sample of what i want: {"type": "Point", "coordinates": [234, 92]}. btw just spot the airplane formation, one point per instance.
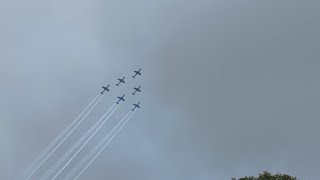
{"type": "Point", "coordinates": [121, 80]}
{"type": "Point", "coordinates": [59, 166]}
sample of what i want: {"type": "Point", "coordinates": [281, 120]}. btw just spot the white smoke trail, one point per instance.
{"type": "Point", "coordinates": [105, 142]}
{"type": "Point", "coordinates": [75, 146]}
{"type": "Point", "coordinates": [43, 157]}
{"type": "Point", "coordinates": [72, 149]}
{"type": "Point", "coordinates": [85, 143]}
{"type": "Point", "coordinates": [94, 151]}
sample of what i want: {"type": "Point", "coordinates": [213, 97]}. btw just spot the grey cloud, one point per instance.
{"type": "Point", "coordinates": [229, 88]}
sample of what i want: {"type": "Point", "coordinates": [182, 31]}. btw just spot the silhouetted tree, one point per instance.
{"type": "Point", "coordinates": [268, 176]}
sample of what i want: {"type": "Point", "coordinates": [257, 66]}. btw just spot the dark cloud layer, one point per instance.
{"type": "Point", "coordinates": [229, 88]}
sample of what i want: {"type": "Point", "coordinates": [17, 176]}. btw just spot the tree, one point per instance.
{"type": "Point", "coordinates": [268, 176]}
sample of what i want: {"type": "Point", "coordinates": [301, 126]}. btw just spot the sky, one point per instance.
{"type": "Point", "coordinates": [230, 88]}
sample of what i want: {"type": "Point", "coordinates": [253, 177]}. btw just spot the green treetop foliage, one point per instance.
{"type": "Point", "coordinates": [268, 176]}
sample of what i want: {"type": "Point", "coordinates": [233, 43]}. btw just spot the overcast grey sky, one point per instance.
{"type": "Point", "coordinates": [230, 88]}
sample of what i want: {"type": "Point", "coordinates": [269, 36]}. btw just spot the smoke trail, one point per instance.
{"type": "Point", "coordinates": [105, 142]}
{"type": "Point", "coordinates": [93, 151]}
{"type": "Point", "coordinates": [85, 143]}
{"type": "Point", "coordinates": [68, 134]}
{"type": "Point", "coordinates": [76, 145]}
{"type": "Point", "coordinates": [37, 163]}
